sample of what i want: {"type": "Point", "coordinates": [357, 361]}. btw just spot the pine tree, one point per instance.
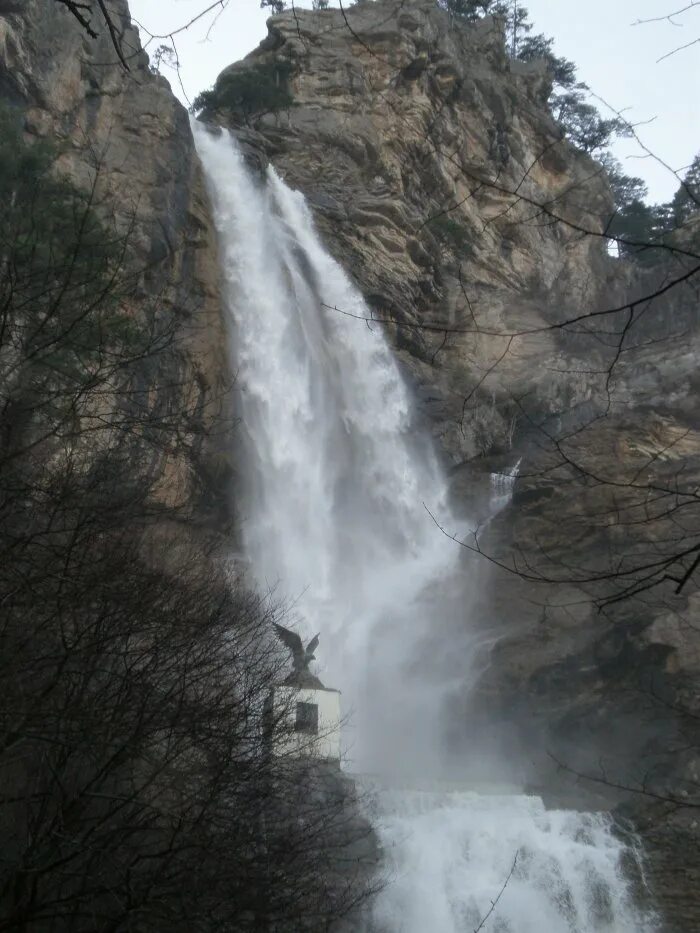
{"type": "Point", "coordinates": [517, 22]}
{"type": "Point", "coordinates": [539, 47]}
{"type": "Point", "coordinates": [467, 10]}
{"type": "Point", "coordinates": [580, 120]}
{"type": "Point", "coordinates": [686, 200]}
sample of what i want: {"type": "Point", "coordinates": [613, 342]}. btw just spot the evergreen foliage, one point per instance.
{"type": "Point", "coordinates": [579, 119]}
{"type": "Point", "coordinates": [588, 130]}
{"type": "Point", "coordinates": [649, 224]}
{"type": "Point", "coordinates": [686, 201]}
{"type": "Point", "coordinates": [539, 47]}
{"type": "Point", "coordinates": [248, 94]}
{"type": "Point", "coordinates": [625, 188]}
{"type": "Point", "coordinates": [452, 232]}
{"type": "Point", "coordinates": [582, 123]}
{"type": "Point", "coordinates": [163, 55]}
{"type": "Point", "coordinates": [469, 10]}
{"type": "Point", "coordinates": [633, 220]}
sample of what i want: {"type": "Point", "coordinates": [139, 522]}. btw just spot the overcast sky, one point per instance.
{"type": "Point", "coordinates": [617, 59]}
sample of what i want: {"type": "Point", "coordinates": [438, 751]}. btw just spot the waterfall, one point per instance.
{"type": "Point", "coordinates": [453, 853]}
{"type": "Point", "coordinates": [340, 487]}
{"type": "Point", "coordinates": [502, 486]}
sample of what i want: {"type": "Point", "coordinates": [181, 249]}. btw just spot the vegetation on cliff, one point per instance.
{"type": "Point", "coordinates": [635, 219]}
{"type": "Point", "coordinates": [247, 94]}
{"type": "Point", "coordinates": [648, 227]}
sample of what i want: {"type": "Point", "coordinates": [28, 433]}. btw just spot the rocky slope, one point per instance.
{"type": "Point", "coordinates": [127, 130]}
{"type": "Point", "coordinates": [440, 181]}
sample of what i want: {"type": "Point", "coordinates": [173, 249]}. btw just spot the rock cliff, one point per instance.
{"type": "Point", "coordinates": [440, 181]}
{"type": "Point", "coordinates": [125, 132]}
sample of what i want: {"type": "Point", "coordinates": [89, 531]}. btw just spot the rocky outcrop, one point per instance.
{"type": "Point", "coordinates": [124, 132]}
{"type": "Point", "coordinates": [406, 134]}
{"type": "Point", "coordinates": [442, 184]}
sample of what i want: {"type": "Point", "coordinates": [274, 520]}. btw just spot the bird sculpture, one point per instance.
{"type": "Point", "coordinates": [301, 657]}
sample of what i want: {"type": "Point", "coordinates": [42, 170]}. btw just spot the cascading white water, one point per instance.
{"type": "Point", "coordinates": [453, 853]}
{"type": "Point", "coordinates": [336, 475]}
{"type": "Point", "coordinates": [339, 484]}
{"type": "Point", "coordinates": [502, 486]}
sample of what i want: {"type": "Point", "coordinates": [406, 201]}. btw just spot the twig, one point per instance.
{"type": "Point", "coordinates": [500, 895]}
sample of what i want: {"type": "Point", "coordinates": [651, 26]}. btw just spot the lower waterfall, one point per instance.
{"type": "Point", "coordinates": [452, 853]}
{"type": "Point", "coordinates": [340, 484]}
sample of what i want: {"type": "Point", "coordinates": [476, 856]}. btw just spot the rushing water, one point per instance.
{"type": "Point", "coordinates": [502, 486]}
{"type": "Point", "coordinates": [453, 853]}
{"type": "Point", "coordinates": [341, 486]}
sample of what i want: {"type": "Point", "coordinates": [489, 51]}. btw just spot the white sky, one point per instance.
{"type": "Point", "coordinates": [616, 59]}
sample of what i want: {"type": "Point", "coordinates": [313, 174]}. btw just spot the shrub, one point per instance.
{"type": "Point", "coordinates": [451, 232]}
{"type": "Point", "coordinates": [249, 94]}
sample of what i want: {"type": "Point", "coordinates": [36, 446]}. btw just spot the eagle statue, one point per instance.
{"type": "Point", "coordinates": [301, 657]}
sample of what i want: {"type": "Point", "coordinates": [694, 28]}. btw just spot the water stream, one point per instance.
{"type": "Point", "coordinates": [341, 490]}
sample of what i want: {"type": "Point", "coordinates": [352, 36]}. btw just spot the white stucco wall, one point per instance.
{"type": "Point", "coordinates": [324, 745]}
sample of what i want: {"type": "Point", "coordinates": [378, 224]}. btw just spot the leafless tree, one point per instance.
{"type": "Point", "coordinates": [676, 17]}
{"type": "Point", "coordinates": [138, 787]}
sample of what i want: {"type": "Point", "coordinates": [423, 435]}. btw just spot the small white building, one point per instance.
{"type": "Point", "coordinates": [304, 718]}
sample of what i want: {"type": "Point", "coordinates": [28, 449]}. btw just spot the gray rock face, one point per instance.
{"type": "Point", "coordinates": [127, 130]}
{"type": "Point", "coordinates": [442, 184]}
